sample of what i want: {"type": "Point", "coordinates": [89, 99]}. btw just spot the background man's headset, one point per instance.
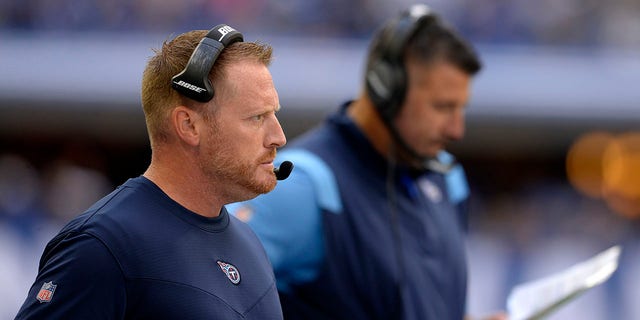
{"type": "Point", "coordinates": [193, 82]}
{"type": "Point", "coordinates": [386, 76]}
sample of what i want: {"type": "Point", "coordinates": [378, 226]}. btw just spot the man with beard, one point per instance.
{"type": "Point", "coordinates": [162, 245]}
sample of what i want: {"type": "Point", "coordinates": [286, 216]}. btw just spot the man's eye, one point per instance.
{"type": "Point", "coordinates": [258, 117]}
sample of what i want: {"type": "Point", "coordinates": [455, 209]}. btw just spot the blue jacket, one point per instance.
{"type": "Point", "coordinates": [351, 237]}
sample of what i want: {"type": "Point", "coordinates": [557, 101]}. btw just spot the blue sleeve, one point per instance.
{"type": "Point", "coordinates": [457, 188]}
{"type": "Point", "coordinates": [79, 280]}
{"type": "Point", "coordinates": [456, 180]}
{"type": "Point", "coordinates": [288, 220]}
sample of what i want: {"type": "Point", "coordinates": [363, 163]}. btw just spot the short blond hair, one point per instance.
{"type": "Point", "coordinates": [158, 97]}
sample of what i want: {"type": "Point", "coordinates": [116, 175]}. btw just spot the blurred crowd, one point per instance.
{"type": "Point", "coordinates": [545, 22]}
{"type": "Point", "coordinates": [35, 202]}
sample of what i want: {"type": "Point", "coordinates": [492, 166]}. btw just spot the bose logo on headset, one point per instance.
{"type": "Point", "coordinates": [193, 82]}
{"type": "Point", "coordinates": [190, 86]}
{"type": "Point", "coordinates": [224, 30]}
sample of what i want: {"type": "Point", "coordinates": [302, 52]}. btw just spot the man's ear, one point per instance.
{"type": "Point", "coordinates": [184, 121]}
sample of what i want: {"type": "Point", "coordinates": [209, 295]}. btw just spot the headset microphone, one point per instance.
{"type": "Point", "coordinates": [284, 170]}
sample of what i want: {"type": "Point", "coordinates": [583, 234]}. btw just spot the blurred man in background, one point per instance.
{"type": "Point", "coordinates": [371, 223]}
{"type": "Point", "coordinates": [162, 245]}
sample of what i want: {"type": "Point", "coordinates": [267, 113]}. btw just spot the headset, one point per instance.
{"type": "Point", "coordinates": [193, 82]}
{"type": "Point", "coordinates": [386, 77]}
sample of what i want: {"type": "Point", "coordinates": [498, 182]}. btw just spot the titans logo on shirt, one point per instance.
{"type": "Point", "coordinates": [231, 271]}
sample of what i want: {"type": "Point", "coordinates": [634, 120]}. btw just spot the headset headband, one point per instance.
{"type": "Point", "coordinates": [193, 82]}
{"type": "Point", "coordinates": [386, 78]}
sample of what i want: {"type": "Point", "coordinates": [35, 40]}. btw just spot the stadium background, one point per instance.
{"type": "Point", "coordinates": [552, 149]}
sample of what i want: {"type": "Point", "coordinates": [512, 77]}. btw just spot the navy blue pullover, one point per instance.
{"type": "Point", "coordinates": [137, 254]}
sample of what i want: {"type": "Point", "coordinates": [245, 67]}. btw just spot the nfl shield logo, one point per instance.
{"type": "Point", "coordinates": [231, 271]}
{"type": "Point", "coordinates": [46, 292]}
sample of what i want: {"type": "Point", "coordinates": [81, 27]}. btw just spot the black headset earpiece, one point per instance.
{"type": "Point", "coordinates": [386, 79]}
{"type": "Point", "coordinates": [193, 82]}
{"type": "Point", "coordinates": [384, 84]}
